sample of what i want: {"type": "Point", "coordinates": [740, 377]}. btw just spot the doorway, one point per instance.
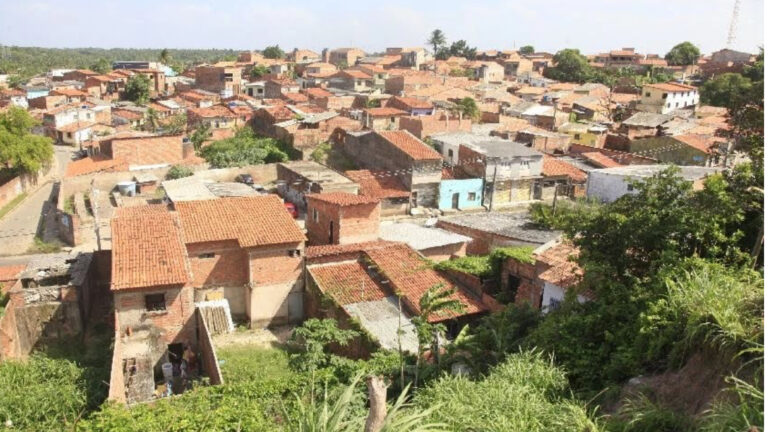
{"type": "Point", "coordinates": [414, 199]}
{"type": "Point", "coordinates": [330, 233]}
{"type": "Point", "coordinates": [455, 201]}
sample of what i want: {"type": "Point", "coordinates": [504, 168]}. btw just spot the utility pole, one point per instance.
{"type": "Point", "coordinates": [493, 186]}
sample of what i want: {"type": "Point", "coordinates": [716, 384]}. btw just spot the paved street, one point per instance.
{"type": "Point", "coordinates": [19, 227]}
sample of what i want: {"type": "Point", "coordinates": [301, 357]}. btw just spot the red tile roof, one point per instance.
{"type": "Point", "coordinates": [342, 199]}
{"type": "Point", "coordinates": [410, 276]}
{"type": "Point", "coordinates": [378, 184]}
{"type": "Point", "coordinates": [699, 142]}
{"type": "Point", "coordinates": [317, 92]}
{"type": "Point", "coordinates": [554, 167]}
{"type": "Point", "coordinates": [348, 283]}
{"type": "Point", "coordinates": [212, 111]}
{"type": "Point", "coordinates": [353, 73]}
{"type": "Point", "coordinates": [600, 159]}
{"type": "Point", "coordinates": [252, 221]}
{"type": "Point", "coordinates": [312, 252]}
{"type": "Point", "coordinates": [563, 269]}
{"type": "Point", "coordinates": [150, 150]}
{"type": "Point", "coordinates": [147, 249]}
{"type": "Point", "coordinates": [411, 102]}
{"type": "Point", "coordinates": [672, 87]}
{"type": "Point", "coordinates": [89, 165]}
{"type": "Point", "coordinates": [384, 112]}
{"type": "Point", "coordinates": [410, 145]}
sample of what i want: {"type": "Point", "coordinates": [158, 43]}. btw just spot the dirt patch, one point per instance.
{"type": "Point", "coordinates": [264, 338]}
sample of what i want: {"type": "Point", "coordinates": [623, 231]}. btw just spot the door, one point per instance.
{"type": "Point", "coordinates": [330, 233]}
{"type": "Point", "coordinates": [455, 201]}
{"type": "Point", "coordinates": [414, 199]}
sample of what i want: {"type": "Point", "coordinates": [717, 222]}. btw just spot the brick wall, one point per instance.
{"type": "Point", "coordinates": [481, 241]}
{"type": "Point", "coordinates": [443, 253]}
{"type": "Point", "coordinates": [359, 223]}
{"type": "Point", "coordinates": [319, 231]}
{"type": "Point", "coordinates": [424, 126]}
{"type": "Point", "coordinates": [25, 183]}
{"type": "Point", "coordinates": [176, 323]}
{"type": "Point", "coordinates": [528, 290]}
{"type": "Point", "coordinates": [228, 266]}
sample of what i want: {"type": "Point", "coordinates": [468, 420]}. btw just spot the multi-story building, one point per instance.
{"type": "Point", "coordinates": [663, 98]}
{"type": "Point", "coordinates": [225, 81]}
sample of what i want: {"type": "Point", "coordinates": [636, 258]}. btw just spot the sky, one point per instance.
{"type": "Point", "coordinates": [650, 26]}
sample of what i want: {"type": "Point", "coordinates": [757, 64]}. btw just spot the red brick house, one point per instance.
{"type": "Point", "coordinates": [342, 218]}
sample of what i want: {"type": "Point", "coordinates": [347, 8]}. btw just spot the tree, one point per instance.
{"type": "Point", "coordinates": [102, 66]}
{"type": "Point", "coordinates": [437, 40]}
{"type": "Point", "coordinates": [314, 338]}
{"type": "Point", "coordinates": [435, 302]}
{"type": "Point", "coordinates": [164, 57]}
{"type": "Point", "coordinates": [527, 50]}
{"type": "Point", "coordinates": [137, 89]}
{"type": "Point", "coordinates": [178, 171]}
{"type": "Point", "coordinates": [20, 150]}
{"type": "Point", "coordinates": [175, 124]}
{"type": "Point", "coordinates": [151, 120]}
{"type": "Point", "coordinates": [570, 65]}
{"type": "Point", "coordinates": [273, 52]}
{"type": "Point", "coordinates": [683, 54]}
{"type": "Point", "coordinates": [460, 48]}
{"type": "Point", "coordinates": [259, 71]}
{"type": "Point", "coordinates": [200, 135]}
{"type": "Point", "coordinates": [468, 108]}
{"type": "Point", "coordinates": [726, 90]}
{"type": "Point", "coordinates": [245, 148]}
{"type": "Point", "coordinates": [16, 81]}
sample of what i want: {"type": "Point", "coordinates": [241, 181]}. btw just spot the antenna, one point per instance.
{"type": "Point", "coordinates": [734, 20]}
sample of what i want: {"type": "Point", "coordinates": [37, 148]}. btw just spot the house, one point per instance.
{"type": "Point", "coordinates": [663, 98]}
{"type": "Point", "coordinates": [343, 57]}
{"type": "Point", "coordinates": [644, 124]}
{"type": "Point", "coordinates": [342, 218]}
{"type": "Point", "coordinates": [459, 191]}
{"type": "Point", "coordinates": [434, 243]}
{"type": "Point", "coordinates": [297, 179]}
{"type": "Point", "coordinates": [560, 179]}
{"type": "Point", "coordinates": [388, 189]}
{"type": "Point", "coordinates": [385, 118]}
{"type": "Point", "coordinates": [416, 164]}
{"type": "Point", "coordinates": [490, 230]}
{"type": "Point", "coordinates": [448, 143]}
{"type": "Point", "coordinates": [215, 117]}
{"type": "Point", "coordinates": [726, 61]}
{"type": "Point", "coordinates": [223, 80]}
{"type": "Point", "coordinates": [431, 125]}
{"type": "Point", "coordinates": [488, 72]}
{"type": "Point", "coordinates": [544, 140]}
{"type": "Point", "coordinates": [509, 170]}
{"type": "Point", "coordinates": [610, 184]}
{"type": "Point", "coordinates": [413, 106]}
{"type": "Point", "coordinates": [277, 87]}
{"type": "Point", "coordinates": [145, 152]}
{"type": "Point", "coordinates": [379, 285]}
{"type": "Point", "coordinates": [352, 80]}
{"type": "Point", "coordinates": [108, 87]}
{"type": "Point", "coordinates": [254, 89]}
{"type": "Point", "coordinates": [592, 135]}
{"type": "Point", "coordinates": [543, 284]}
{"type": "Point", "coordinates": [515, 67]}
{"type": "Point", "coordinates": [303, 56]}
{"type": "Point", "coordinates": [687, 149]}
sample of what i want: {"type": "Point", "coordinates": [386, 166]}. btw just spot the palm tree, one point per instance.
{"type": "Point", "coordinates": [436, 39]}
{"type": "Point", "coordinates": [165, 56]}
{"type": "Point", "coordinates": [200, 135]}
{"type": "Point", "coordinates": [434, 302]}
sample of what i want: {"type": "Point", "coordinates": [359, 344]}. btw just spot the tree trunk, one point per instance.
{"type": "Point", "coordinates": [377, 395]}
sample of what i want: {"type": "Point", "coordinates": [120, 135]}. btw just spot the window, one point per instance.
{"type": "Point", "coordinates": [207, 255]}
{"type": "Point", "coordinates": [668, 104]}
{"type": "Point", "coordinates": [647, 94]}
{"type": "Point", "coordinates": [630, 187]}
{"type": "Point", "coordinates": [450, 153]}
{"type": "Point", "coordinates": [472, 196]}
{"type": "Point", "coordinates": [69, 134]}
{"type": "Point", "coordinates": [294, 253]}
{"type": "Point", "coordinates": [663, 95]}
{"type": "Point", "coordinates": [677, 104]}
{"type": "Point", "coordinates": [554, 304]}
{"type": "Point", "coordinates": [392, 119]}
{"type": "Point", "coordinates": [524, 163]}
{"type": "Point", "coordinates": [154, 302]}
{"type": "Point", "coordinates": [315, 216]}
{"type": "Point", "coordinates": [577, 136]}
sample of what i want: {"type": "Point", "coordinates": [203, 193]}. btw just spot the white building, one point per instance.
{"type": "Point", "coordinates": [610, 184]}
{"type": "Point", "coordinates": [663, 98]}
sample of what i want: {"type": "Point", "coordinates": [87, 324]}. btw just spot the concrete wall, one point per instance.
{"type": "Point", "coordinates": [464, 188]}
{"type": "Point", "coordinates": [444, 253]}
{"type": "Point", "coordinates": [607, 187]}
{"type": "Point", "coordinates": [277, 285]}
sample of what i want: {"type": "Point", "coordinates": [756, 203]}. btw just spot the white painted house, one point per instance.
{"type": "Point", "coordinates": [663, 98]}
{"type": "Point", "coordinates": [610, 184]}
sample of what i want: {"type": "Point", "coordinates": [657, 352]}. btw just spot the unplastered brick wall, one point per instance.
{"type": "Point", "coordinates": [277, 283]}
{"type": "Point", "coordinates": [175, 322]}
{"type": "Point", "coordinates": [359, 223]}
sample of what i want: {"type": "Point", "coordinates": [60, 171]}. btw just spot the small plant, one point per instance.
{"type": "Point", "coordinates": [41, 246]}
{"type": "Point", "coordinates": [178, 171]}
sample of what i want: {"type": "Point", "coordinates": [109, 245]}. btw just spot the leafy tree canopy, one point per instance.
{"type": "Point", "coordinates": [259, 71]}
{"type": "Point", "coordinates": [437, 40]}
{"type": "Point", "coordinates": [101, 66]}
{"type": "Point", "coordinates": [468, 107]}
{"type": "Point", "coordinates": [273, 52]}
{"type": "Point", "coordinates": [570, 65]}
{"type": "Point", "coordinates": [19, 148]}
{"type": "Point", "coordinates": [245, 148]}
{"type": "Point", "coordinates": [527, 49]}
{"type": "Point", "coordinates": [725, 90]}
{"type": "Point", "coordinates": [683, 54]}
{"type": "Point", "coordinates": [137, 89]}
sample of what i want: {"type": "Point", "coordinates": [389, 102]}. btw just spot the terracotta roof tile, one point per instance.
{"type": "Point", "coordinates": [384, 112]}
{"type": "Point", "coordinates": [410, 145]}
{"type": "Point", "coordinates": [313, 252]}
{"type": "Point", "coordinates": [600, 159]}
{"type": "Point", "coordinates": [348, 283]}
{"type": "Point", "coordinates": [89, 165]}
{"type": "Point", "coordinates": [699, 142]}
{"type": "Point", "coordinates": [147, 249]}
{"type": "Point", "coordinates": [378, 184]}
{"type": "Point", "coordinates": [564, 271]}
{"type": "Point", "coordinates": [411, 102]}
{"type": "Point", "coordinates": [410, 276]}
{"type": "Point", "coordinates": [343, 199]}
{"type": "Point", "coordinates": [672, 87]}
{"type": "Point", "coordinates": [554, 167]}
{"type": "Point", "coordinates": [252, 221]}
{"type": "Point", "coordinates": [317, 92]}
{"type": "Point", "coordinates": [150, 150]}
{"type": "Point", "coordinates": [212, 111]}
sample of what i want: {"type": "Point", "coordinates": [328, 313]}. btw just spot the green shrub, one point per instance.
{"type": "Point", "coordinates": [479, 266]}
{"type": "Point", "coordinates": [178, 171]}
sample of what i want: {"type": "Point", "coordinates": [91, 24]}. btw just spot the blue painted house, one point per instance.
{"type": "Point", "coordinates": [36, 91]}
{"type": "Point", "coordinates": [460, 192]}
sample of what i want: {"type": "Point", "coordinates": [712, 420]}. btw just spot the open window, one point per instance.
{"type": "Point", "coordinates": [154, 302]}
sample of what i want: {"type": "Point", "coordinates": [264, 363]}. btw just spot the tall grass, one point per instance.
{"type": "Point", "coordinates": [525, 393]}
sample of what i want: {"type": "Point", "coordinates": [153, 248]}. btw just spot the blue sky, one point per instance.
{"type": "Point", "coordinates": [591, 25]}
